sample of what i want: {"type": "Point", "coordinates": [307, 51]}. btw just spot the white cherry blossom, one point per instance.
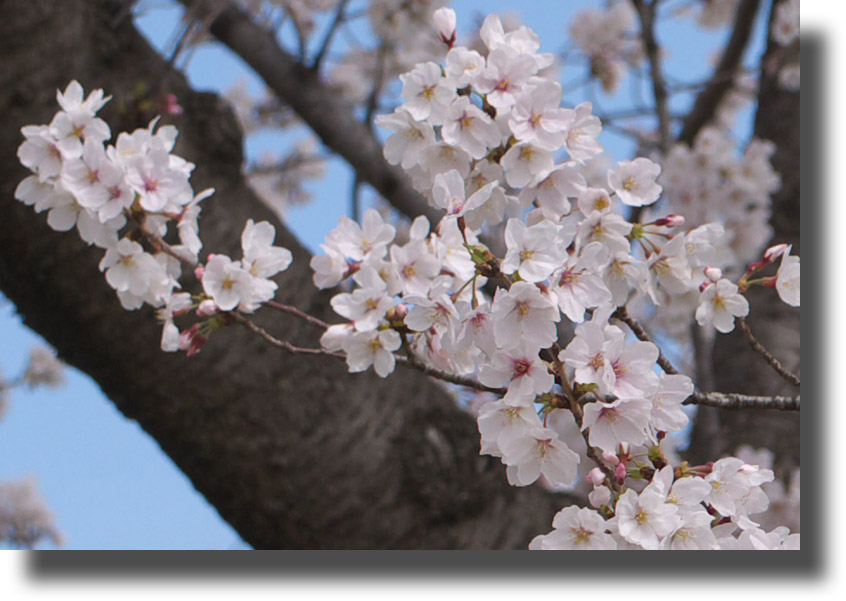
{"type": "Point", "coordinates": [576, 528]}
{"type": "Point", "coordinates": [374, 348]}
{"type": "Point", "coordinates": [719, 304]}
{"type": "Point", "coordinates": [634, 182]}
{"type": "Point", "coordinates": [787, 280]}
{"type": "Point", "coordinates": [523, 313]}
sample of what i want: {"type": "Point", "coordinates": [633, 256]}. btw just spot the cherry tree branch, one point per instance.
{"type": "Point", "coordinates": [330, 33]}
{"type": "Point", "coordinates": [321, 108]}
{"type": "Point", "coordinates": [297, 313]}
{"type": "Point", "coordinates": [759, 348]}
{"type": "Point", "coordinates": [646, 13]}
{"type": "Point", "coordinates": [623, 315]}
{"type": "Point", "coordinates": [413, 361]}
{"type": "Point", "coordinates": [156, 240]}
{"type": "Point", "coordinates": [283, 344]}
{"type": "Point", "coordinates": [722, 400]}
{"type": "Point", "coordinates": [410, 360]}
{"type": "Point", "coordinates": [705, 106]}
{"type": "Point", "coordinates": [732, 400]}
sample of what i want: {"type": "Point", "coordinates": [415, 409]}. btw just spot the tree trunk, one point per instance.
{"type": "Point", "coordinates": [736, 367]}
{"type": "Point", "coordinates": [293, 451]}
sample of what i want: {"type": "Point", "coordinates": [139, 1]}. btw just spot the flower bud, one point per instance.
{"type": "Point", "coordinates": [774, 252]}
{"type": "Point", "coordinates": [444, 19]}
{"type": "Point", "coordinates": [670, 221]}
{"type": "Point", "coordinates": [197, 344]}
{"type": "Point", "coordinates": [207, 308]}
{"type": "Point", "coordinates": [704, 285]}
{"type": "Point", "coordinates": [595, 476]}
{"type": "Point", "coordinates": [397, 313]}
{"type": "Point", "coordinates": [168, 105]}
{"type": "Point", "coordinates": [186, 336]}
{"type": "Point", "coordinates": [620, 473]}
{"type": "Point", "coordinates": [714, 274]}
{"type": "Point", "coordinates": [610, 458]}
{"type": "Point", "coordinates": [200, 271]}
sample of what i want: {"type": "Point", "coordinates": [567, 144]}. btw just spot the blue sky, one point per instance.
{"type": "Point", "coordinates": [107, 482]}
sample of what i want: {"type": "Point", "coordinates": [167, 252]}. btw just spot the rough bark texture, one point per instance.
{"type": "Point", "coordinates": [293, 452]}
{"type": "Point", "coordinates": [775, 324]}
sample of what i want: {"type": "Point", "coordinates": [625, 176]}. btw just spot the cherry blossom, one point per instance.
{"type": "Point", "coordinates": [719, 304]}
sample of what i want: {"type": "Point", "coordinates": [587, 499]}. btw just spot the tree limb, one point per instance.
{"type": "Point", "coordinates": [732, 400]}
{"type": "Point", "coordinates": [294, 453]}
{"type": "Point", "coordinates": [317, 105]}
{"type": "Point", "coordinates": [646, 13]}
{"type": "Point", "coordinates": [722, 80]}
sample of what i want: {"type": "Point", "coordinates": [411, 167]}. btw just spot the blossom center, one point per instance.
{"type": "Point", "coordinates": [582, 535]}
{"type": "Point", "coordinates": [520, 368]}
{"type": "Point", "coordinates": [601, 203]}
{"type": "Point", "coordinates": [596, 362]}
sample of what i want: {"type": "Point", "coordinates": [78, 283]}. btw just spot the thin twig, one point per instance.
{"type": "Point", "coordinates": [623, 315]}
{"type": "Point", "coordinates": [413, 361]}
{"type": "Point", "coordinates": [646, 12]}
{"type": "Point", "coordinates": [330, 33]}
{"type": "Point", "coordinates": [283, 344]}
{"type": "Point", "coordinates": [297, 313]}
{"type": "Point", "coordinates": [157, 240]}
{"type": "Point", "coordinates": [451, 378]}
{"type": "Point", "coordinates": [759, 348]}
{"type": "Point", "coordinates": [722, 400]}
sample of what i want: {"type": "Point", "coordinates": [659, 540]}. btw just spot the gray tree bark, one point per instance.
{"type": "Point", "coordinates": [775, 324]}
{"type": "Point", "coordinates": [293, 451]}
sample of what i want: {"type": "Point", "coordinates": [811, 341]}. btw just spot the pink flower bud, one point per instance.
{"type": "Point", "coordinates": [610, 458]}
{"type": "Point", "coordinates": [670, 221]}
{"type": "Point", "coordinates": [197, 344]}
{"type": "Point", "coordinates": [620, 473]}
{"type": "Point", "coordinates": [595, 476]}
{"type": "Point", "coordinates": [774, 252]}
{"type": "Point", "coordinates": [200, 271]}
{"type": "Point", "coordinates": [352, 267]}
{"type": "Point", "coordinates": [703, 285]}
{"type": "Point", "coordinates": [713, 273]}
{"type": "Point", "coordinates": [397, 313]}
{"type": "Point", "coordinates": [168, 105]}
{"type": "Point", "coordinates": [207, 308]}
{"type": "Point", "coordinates": [186, 338]}
{"type": "Point", "coordinates": [444, 19]}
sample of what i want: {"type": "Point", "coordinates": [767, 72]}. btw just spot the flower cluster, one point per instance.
{"type": "Point", "coordinates": [785, 32]}
{"type": "Point", "coordinates": [530, 240]}
{"type": "Point", "coordinates": [608, 38]}
{"type": "Point", "coordinates": [677, 510]}
{"type": "Point", "coordinates": [140, 185]}
{"type": "Point", "coordinates": [482, 137]}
